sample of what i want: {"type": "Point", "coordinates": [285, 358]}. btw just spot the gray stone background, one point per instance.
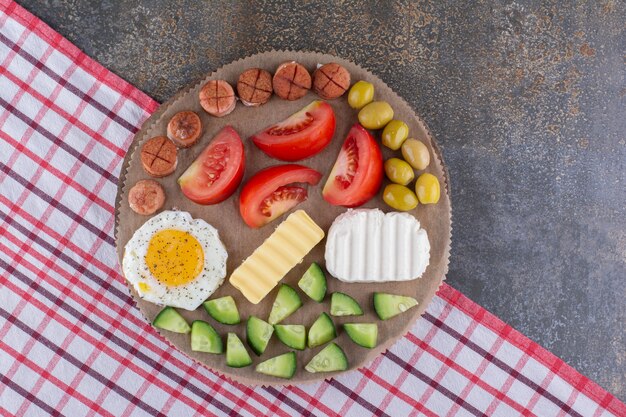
{"type": "Point", "coordinates": [526, 98]}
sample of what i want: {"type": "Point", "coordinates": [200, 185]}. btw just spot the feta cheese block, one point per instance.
{"type": "Point", "coordinates": [281, 251]}
{"type": "Point", "coordinates": [367, 245]}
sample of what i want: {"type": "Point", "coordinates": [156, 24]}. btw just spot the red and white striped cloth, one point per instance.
{"type": "Point", "coordinates": [72, 342]}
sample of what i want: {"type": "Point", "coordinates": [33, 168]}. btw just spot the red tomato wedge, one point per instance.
{"type": "Point", "coordinates": [301, 135]}
{"type": "Point", "coordinates": [272, 192]}
{"type": "Point", "coordinates": [217, 171]}
{"type": "Point", "coordinates": [358, 171]}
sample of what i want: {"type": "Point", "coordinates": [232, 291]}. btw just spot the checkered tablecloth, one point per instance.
{"type": "Point", "coordinates": [72, 342]}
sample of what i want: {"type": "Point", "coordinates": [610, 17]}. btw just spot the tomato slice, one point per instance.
{"type": "Point", "coordinates": [301, 135]}
{"type": "Point", "coordinates": [217, 171]}
{"type": "Point", "coordinates": [358, 171]}
{"type": "Point", "coordinates": [271, 192]}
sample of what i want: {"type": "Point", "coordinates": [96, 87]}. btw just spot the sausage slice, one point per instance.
{"type": "Point", "coordinates": [331, 81]}
{"type": "Point", "coordinates": [217, 98]}
{"type": "Point", "coordinates": [159, 156]}
{"type": "Point", "coordinates": [184, 129]}
{"type": "Point", "coordinates": [291, 81]}
{"type": "Point", "coordinates": [254, 87]}
{"type": "Point", "coordinates": [146, 197]}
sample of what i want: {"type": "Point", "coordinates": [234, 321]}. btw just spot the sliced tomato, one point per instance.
{"type": "Point", "coordinates": [301, 135]}
{"type": "Point", "coordinates": [358, 171]}
{"type": "Point", "coordinates": [273, 191]}
{"type": "Point", "coordinates": [217, 171]}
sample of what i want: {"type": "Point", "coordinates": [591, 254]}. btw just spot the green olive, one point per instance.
{"type": "Point", "coordinates": [399, 171]}
{"type": "Point", "coordinates": [416, 153]}
{"type": "Point", "coordinates": [375, 115]}
{"type": "Point", "coordinates": [399, 197]}
{"type": "Point", "coordinates": [360, 94]}
{"type": "Point", "coordinates": [395, 134]}
{"type": "Point", "coordinates": [427, 188]}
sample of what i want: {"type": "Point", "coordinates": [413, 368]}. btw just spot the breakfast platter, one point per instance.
{"type": "Point", "coordinates": [285, 219]}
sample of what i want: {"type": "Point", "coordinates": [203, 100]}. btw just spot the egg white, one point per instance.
{"type": "Point", "coordinates": [187, 296]}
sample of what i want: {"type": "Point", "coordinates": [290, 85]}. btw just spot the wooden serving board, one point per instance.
{"type": "Point", "coordinates": [240, 240]}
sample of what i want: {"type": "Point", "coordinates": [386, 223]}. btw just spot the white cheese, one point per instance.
{"type": "Point", "coordinates": [367, 245]}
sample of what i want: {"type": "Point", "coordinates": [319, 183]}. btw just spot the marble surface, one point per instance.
{"type": "Point", "coordinates": [526, 98]}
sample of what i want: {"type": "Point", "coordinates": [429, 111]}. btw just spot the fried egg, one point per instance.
{"type": "Point", "coordinates": [175, 260]}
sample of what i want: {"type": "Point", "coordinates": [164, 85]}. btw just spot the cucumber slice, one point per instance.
{"type": "Point", "coordinates": [287, 301]}
{"type": "Point", "coordinates": [223, 310]}
{"type": "Point", "coordinates": [329, 359]}
{"type": "Point", "coordinates": [281, 366]}
{"type": "Point", "coordinates": [258, 333]}
{"type": "Point", "coordinates": [170, 319]}
{"type": "Point", "coordinates": [236, 354]}
{"type": "Point", "coordinates": [204, 338]}
{"type": "Point", "coordinates": [322, 331]}
{"type": "Point", "coordinates": [343, 305]}
{"type": "Point", "coordinates": [390, 305]}
{"type": "Point", "coordinates": [363, 334]}
{"type": "Point", "coordinates": [313, 283]}
{"type": "Point", "coordinates": [293, 335]}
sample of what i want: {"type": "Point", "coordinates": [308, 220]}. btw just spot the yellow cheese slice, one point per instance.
{"type": "Point", "coordinates": [281, 251]}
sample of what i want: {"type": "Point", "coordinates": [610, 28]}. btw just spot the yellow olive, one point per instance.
{"type": "Point", "coordinates": [416, 153]}
{"type": "Point", "coordinates": [399, 171]}
{"type": "Point", "coordinates": [375, 115]}
{"type": "Point", "coordinates": [427, 188]}
{"type": "Point", "coordinates": [394, 134]}
{"type": "Point", "coordinates": [399, 197]}
{"type": "Point", "coordinates": [360, 94]}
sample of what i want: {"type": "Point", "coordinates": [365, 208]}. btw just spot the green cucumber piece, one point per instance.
{"type": "Point", "coordinates": [281, 366]}
{"type": "Point", "coordinates": [287, 301]}
{"type": "Point", "coordinates": [313, 283]}
{"type": "Point", "coordinates": [170, 319]}
{"type": "Point", "coordinates": [322, 331]}
{"type": "Point", "coordinates": [204, 338]}
{"type": "Point", "coordinates": [223, 310]}
{"type": "Point", "coordinates": [236, 354]}
{"type": "Point", "coordinates": [331, 358]}
{"type": "Point", "coordinates": [343, 305]}
{"type": "Point", "coordinates": [390, 305]}
{"type": "Point", "coordinates": [258, 334]}
{"type": "Point", "coordinates": [363, 334]}
{"type": "Point", "coordinates": [293, 335]}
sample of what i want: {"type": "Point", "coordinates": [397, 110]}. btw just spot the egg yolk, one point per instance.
{"type": "Point", "coordinates": [174, 257]}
